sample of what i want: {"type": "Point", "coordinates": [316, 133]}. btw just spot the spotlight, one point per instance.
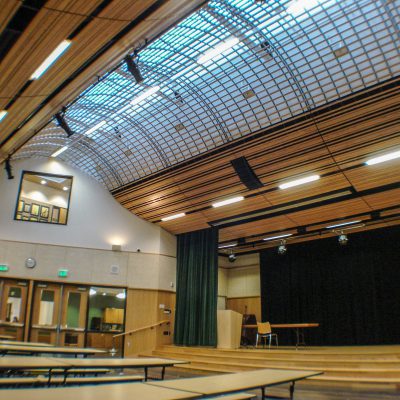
{"type": "Point", "coordinates": [282, 249]}
{"type": "Point", "coordinates": [63, 124]}
{"type": "Point", "coordinates": [231, 257]}
{"type": "Point", "coordinates": [133, 69]}
{"type": "Point", "coordinates": [8, 168]}
{"type": "Point", "coordinates": [343, 239]}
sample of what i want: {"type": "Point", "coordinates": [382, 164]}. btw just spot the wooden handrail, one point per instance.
{"type": "Point", "coordinates": [159, 323]}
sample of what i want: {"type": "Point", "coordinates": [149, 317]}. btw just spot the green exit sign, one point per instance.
{"type": "Point", "coordinates": [62, 273]}
{"type": "Point", "coordinates": [3, 268]}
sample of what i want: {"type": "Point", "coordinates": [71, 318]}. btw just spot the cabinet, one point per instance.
{"type": "Point", "coordinates": [113, 316]}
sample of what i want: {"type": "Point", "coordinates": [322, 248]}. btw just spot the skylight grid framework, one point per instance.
{"type": "Point", "coordinates": [283, 66]}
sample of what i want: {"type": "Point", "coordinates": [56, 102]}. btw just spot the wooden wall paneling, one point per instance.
{"type": "Point", "coordinates": [143, 310]}
{"type": "Point", "coordinates": [251, 305]}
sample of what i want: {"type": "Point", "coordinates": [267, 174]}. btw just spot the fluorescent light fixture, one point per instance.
{"type": "Point", "coordinates": [224, 246]}
{"type": "Point", "coordinates": [278, 237]}
{"type": "Point", "coordinates": [51, 59]}
{"type": "Point", "coordinates": [104, 294]}
{"type": "Point", "coordinates": [386, 157]}
{"type": "Point", "coordinates": [59, 151]}
{"type": "Point", "coordinates": [173, 217]}
{"type": "Point", "coordinates": [95, 128]}
{"type": "Point", "coordinates": [147, 93]}
{"type": "Point", "coordinates": [65, 188]}
{"type": "Point", "coordinates": [300, 181]}
{"type": "Point", "coordinates": [219, 49]}
{"type": "Point", "coordinates": [92, 292]}
{"type": "Point", "coordinates": [297, 7]}
{"type": "Point", "coordinates": [121, 295]}
{"type": "Point", "coordinates": [3, 114]}
{"type": "Point", "coordinates": [43, 182]}
{"type": "Point", "coordinates": [228, 201]}
{"type": "Point", "coordinates": [343, 224]}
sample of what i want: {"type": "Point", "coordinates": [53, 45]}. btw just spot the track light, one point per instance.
{"type": "Point", "coordinates": [63, 124]}
{"type": "Point", "coordinates": [343, 239]}
{"type": "Point", "coordinates": [8, 168]}
{"type": "Point", "coordinates": [282, 249]}
{"type": "Point", "coordinates": [133, 68]}
{"type": "Point", "coordinates": [231, 257]}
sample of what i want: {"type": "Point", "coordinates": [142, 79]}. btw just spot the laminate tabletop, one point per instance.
{"type": "Point", "coordinates": [102, 392]}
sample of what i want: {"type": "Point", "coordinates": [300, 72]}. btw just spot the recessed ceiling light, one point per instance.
{"type": "Point", "coordinates": [3, 114]}
{"type": "Point", "coordinates": [224, 246]}
{"type": "Point", "coordinates": [92, 292]}
{"type": "Point", "coordinates": [51, 59]}
{"type": "Point", "coordinates": [386, 157]}
{"type": "Point", "coordinates": [59, 151]}
{"type": "Point", "coordinates": [95, 128]}
{"type": "Point", "coordinates": [147, 93]}
{"type": "Point", "coordinates": [300, 181]}
{"type": "Point", "coordinates": [343, 224]}
{"type": "Point", "coordinates": [65, 188]}
{"type": "Point", "coordinates": [219, 49]}
{"type": "Point", "coordinates": [173, 217]}
{"type": "Point", "coordinates": [121, 295]}
{"type": "Point", "coordinates": [278, 237]}
{"type": "Point", "coordinates": [43, 182]}
{"type": "Point", "coordinates": [228, 201]}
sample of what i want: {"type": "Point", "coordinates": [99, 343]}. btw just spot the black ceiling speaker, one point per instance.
{"type": "Point", "coordinates": [133, 69]}
{"type": "Point", "coordinates": [246, 173]}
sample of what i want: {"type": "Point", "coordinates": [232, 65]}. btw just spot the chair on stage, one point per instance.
{"type": "Point", "coordinates": [264, 331]}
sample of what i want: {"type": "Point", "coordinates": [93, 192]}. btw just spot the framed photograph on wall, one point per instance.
{"type": "Point", "coordinates": [55, 215]}
{"type": "Point", "coordinates": [21, 204]}
{"type": "Point", "coordinates": [44, 212]}
{"type": "Point", "coordinates": [35, 209]}
{"type": "Point", "coordinates": [34, 219]}
{"type": "Point", "coordinates": [27, 208]}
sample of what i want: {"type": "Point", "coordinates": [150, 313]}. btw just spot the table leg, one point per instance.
{"type": "Point", "coordinates": [162, 373]}
{"type": "Point", "coordinates": [292, 390]}
{"type": "Point", "coordinates": [263, 393]}
{"type": "Point", "coordinates": [49, 379]}
{"type": "Point", "coordinates": [145, 374]}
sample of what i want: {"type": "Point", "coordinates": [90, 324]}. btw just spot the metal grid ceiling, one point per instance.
{"type": "Point", "coordinates": [291, 57]}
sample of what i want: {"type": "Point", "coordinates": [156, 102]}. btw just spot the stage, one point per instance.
{"type": "Point", "coordinates": [342, 365]}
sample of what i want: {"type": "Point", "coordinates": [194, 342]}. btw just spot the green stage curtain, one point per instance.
{"type": "Point", "coordinates": [197, 289]}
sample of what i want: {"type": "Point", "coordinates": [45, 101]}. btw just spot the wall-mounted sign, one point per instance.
{"type": "Point", "coordinates": [3, 268]}
{"type": "Point", "coordinates": [62, 273]}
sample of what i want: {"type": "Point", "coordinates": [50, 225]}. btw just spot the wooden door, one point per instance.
{"type": "Point", "coordinates": [13, 299]}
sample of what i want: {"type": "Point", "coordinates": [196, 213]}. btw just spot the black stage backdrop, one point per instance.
{"type": "Point", "coordinates": [353, 291]}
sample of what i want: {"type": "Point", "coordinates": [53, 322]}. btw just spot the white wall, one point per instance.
{"type": "Point", "coordinates": [95, 219]}
{"type": "Point", "coordinates": [95, 222]}
{"type": "Point", "coordinates": [242, 277]}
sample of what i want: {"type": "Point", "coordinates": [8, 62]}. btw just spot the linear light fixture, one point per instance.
{"type": "Point", "coordinates": [95, 128]}
{"type": "Point", "coordinates": [386, 157]}
{"type": "Point", "coordinates": [173, 217]}
{"type": "Point", "coordinates": [298, 182]}
{"type": "Point", "coordinates": [278, 237]}
{"type": "Point", "coordinates": [228, 201]}
{"type": "Point", "coordinates": [59, 151]}
{"type": "Point", "coordinates": [147, 93]}
{"type": "Point", "coordinates": [46, 64]}
{"type": "Point", "coordinates": [343, 224]}
{"type": "Point", "coordinates": [3, 114]}
{"type": "Point", "coordinates": [224, 246]}
{"type": "Point", "coordinates": [219, 49]}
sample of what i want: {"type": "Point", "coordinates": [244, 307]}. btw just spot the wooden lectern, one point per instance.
{"type": "Point", "coordinates": [229, 329]}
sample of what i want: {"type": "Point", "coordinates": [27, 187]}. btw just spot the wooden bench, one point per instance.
{"type": "Point", "coordinates": [235, 396]}
{"type": "Point", "coordinates": [42, 380]}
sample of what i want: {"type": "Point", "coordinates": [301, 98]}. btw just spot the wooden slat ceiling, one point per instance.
{"type": "Point", "coordinates": [54, 22]}
{"type": "Point", "coordinates": [334, 143]}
